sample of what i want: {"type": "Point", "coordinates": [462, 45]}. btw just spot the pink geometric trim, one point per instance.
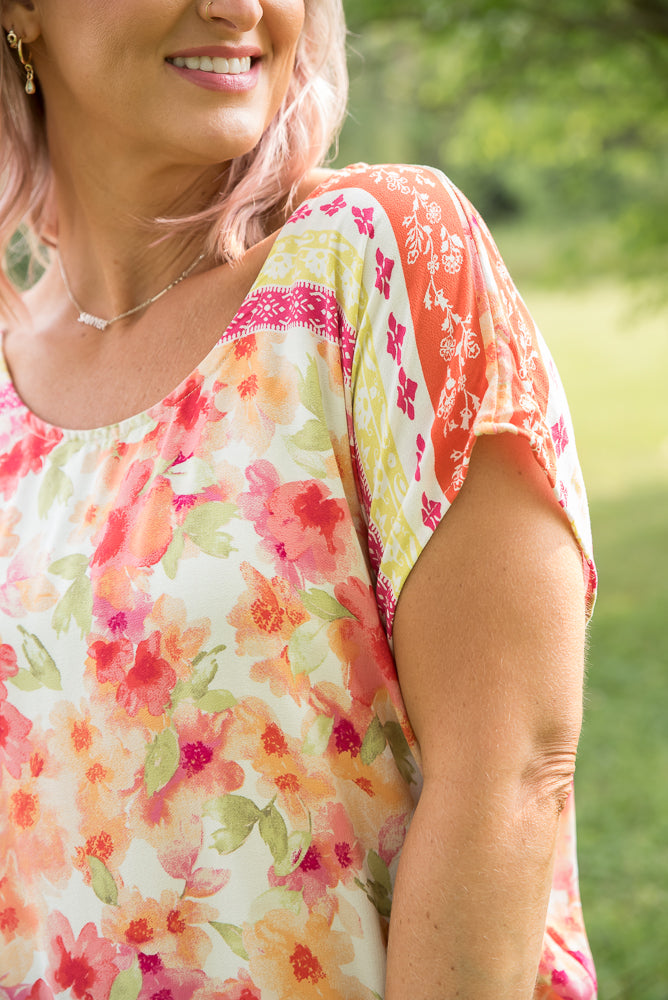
{"type": "Point", "coordinates": [303, 304]}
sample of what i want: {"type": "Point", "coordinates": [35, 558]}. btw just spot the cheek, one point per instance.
{"type": "Point", "coordinates": [286, 21]}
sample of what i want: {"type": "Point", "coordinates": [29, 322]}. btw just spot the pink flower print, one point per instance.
{"type": "Point", "coordinates": [302, 212]}
{"type": "Point", "coordinates": [9, 666]}
{"type": "Point", "coordinates": [361, 646]}
{"type": "Point", "coordinates": [364, 220]}
{"type": "Point", "coordinates": [87, 965]}
{"type": "Point", "coordinates": [560, 435]}
{"type": "Point", "coordinates": [304, 528]}
{"type": "Point", "coordinates": [27, 455]}
{"type": "Point", "coordinates": [15, 749]}
{"type": "Point", "coordinates": [431, 512]}
{"type": "Point", "coordinates": [149, 682]}
{"type": "Point", "coordinates": [395, 338]}
{"type": "Point", "coordinates": [406, 394]}
{"type": "Point", "coordinates": [334, 207]}
{"type": "Point", "coordinates": [384, 268]}
{"type": "Point", "coordinates": [420, 443]}
{"type": "Point", "coordinates": [334, 855]}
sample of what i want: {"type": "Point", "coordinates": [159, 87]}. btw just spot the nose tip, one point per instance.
{"type": "Point", "coordinates": [241, 15]}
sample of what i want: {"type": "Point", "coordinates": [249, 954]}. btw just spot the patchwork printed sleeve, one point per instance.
{"type": "Point", "coordinates": [445, 351]}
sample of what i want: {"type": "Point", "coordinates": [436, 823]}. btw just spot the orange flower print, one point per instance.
{"type": "Point", "coordinates": [27, 587]}
{"type": "Point", "coordinates": [34, 829]}
{"type": "Point", "coordinates": [259, 391]}
{"type": "Point", "coordinates": [168, 927]}
{"type": "Point", "coordinates": [180, 641]}
{"type": "Point", "coordinates": [9, 519]}
{"type": "Point", "coordinates": [19, 923]}
{"type": "Point", "coordinates": [241, 988]}
{"type": "Point", "coordinates": [301, 956]}
{"type": "Point", "coordinates": [278, 673]}
{"type": "Point", "coordinates": [87, 965]}
{"type": "Point", "coordinates": [266, 614]}
{"type": "Point", "coordinates": [299, 783]}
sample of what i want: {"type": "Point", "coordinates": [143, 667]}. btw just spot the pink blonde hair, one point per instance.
{"type": "Point", "coordinates": [254, 186]}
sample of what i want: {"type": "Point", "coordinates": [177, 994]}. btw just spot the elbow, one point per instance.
{"type": "Point", "coordinates": [547, 779]}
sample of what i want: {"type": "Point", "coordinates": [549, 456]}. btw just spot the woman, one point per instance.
{"type": "Point", "coordinates": [240, 638]}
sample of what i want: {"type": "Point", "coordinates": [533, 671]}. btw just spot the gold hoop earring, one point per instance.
{"type": "Point", "coordinates": [16, 43]}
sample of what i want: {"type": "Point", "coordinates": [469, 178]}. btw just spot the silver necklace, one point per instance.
{"type": "Point", "coordinates": [102, 324]}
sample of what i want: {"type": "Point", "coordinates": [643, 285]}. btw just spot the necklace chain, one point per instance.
{"type": "Point", "coordinates": [103, 324]}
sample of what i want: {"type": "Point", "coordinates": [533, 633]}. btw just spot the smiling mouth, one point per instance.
{"type": "Point", "coordinates": [217, 64]}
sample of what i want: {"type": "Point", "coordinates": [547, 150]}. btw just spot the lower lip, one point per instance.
{"type": "Point", "coordinates": [233, 83]}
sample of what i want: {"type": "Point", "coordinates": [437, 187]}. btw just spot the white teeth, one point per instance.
{"type": "Point", "coordinates": [206, 64]}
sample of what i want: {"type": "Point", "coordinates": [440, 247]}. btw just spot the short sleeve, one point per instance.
{"type": "Point", "coordinates": [445, 352]}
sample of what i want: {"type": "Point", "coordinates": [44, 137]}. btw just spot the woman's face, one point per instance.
{"type": "Point", "coordinates": [158, 78]}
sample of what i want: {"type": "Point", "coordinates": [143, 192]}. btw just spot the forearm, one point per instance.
{"type": "Point", "coordinates": [471, 895]}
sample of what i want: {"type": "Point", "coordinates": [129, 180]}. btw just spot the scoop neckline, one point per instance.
{"type": "Point", "coordinates": [184, 388]}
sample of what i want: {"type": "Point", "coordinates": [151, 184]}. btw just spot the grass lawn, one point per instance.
{"type": "Point", "coordinates": [613, 358]}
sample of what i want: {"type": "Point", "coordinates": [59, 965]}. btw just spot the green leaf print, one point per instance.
{"type": "Point", "coordinates": [70, 567]}
{"type": "Point", "coordinates": [42, 664]}
{"type": "Point", "coordinates": [318, 736]}
{"type": "Point", "coordinates": [56, 485]}
{"type": "Point", "coordinates": [277, 898]}
{"type": "Point", "coordinates": [25, 681]}
{"type": "Point", "coordinates": [374, 742]}
{"type": "Point", "coordinates": [232, 936]}
{"type": "Point", "coordinates": [274, 832]}
{"type": "Point", "coordinates": [379, 887]}
{"type": "Point", "coordinates": [76, 603]}
{"type": "Point", "coordinates": [298, 844]}
{"type": "Point", "coordinates": [237, 816]}
{"type": "Point", "coordinates": [127, 985]}
{"type": "Point", "coordinates": [400, 751]}
{"type": "Point", "coordinates": [308, 647]}
{"type": "Point", "coordinates": [313, 436]}
{"type": "Point", "coordinates": [102, 881]}
{"type": "Point", "coordinates": [162, 761]}
{"type": "Point", "coordinates": [323, 605]}
{"type": "Point", "coordinates": [310, 393]}
{"type": "Point", "coordinates": [170, 560]}
{"type": "Point", "coordinates": [203, 525]}
{"type": "Point", "coordinates": [313, 462]}
{"type": "Point", "coordinates": [378, 871]}
{"type": "Point", "coordinates": [205, 668]}
{"type": "Point", "coordinates": [216, 701]}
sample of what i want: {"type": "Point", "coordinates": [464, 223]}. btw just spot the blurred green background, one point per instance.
{"type": "Point", "coordinates": [553, 118]}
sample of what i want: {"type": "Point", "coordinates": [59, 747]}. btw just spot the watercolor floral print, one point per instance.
{"type": "Point", "coordinates": [206, 769]}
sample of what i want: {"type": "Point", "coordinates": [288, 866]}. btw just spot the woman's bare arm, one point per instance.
{"type": "Point", "coordinates": [489, 642]}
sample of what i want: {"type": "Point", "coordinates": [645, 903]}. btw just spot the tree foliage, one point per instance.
{"type": "Point", "coordinates": [552, 111]}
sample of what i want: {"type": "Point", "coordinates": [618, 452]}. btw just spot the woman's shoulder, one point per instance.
{"type": "Point", "coordinates": [402, 191]}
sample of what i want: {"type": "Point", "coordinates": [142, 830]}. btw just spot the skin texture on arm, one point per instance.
{"type": "Point", "coordinates": [489, 641]}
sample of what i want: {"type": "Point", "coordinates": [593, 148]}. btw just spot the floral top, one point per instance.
{"type": "Point", "coordinates": [206, 769]}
